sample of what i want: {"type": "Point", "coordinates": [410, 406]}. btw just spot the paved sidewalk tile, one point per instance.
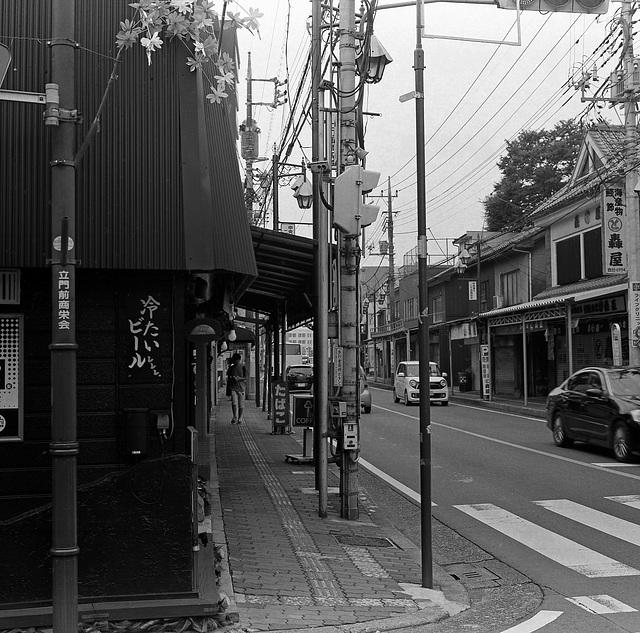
{"type": "Point", "coordinates": [292, 569]}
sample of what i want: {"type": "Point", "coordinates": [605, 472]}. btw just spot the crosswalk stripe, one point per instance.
{"type": "Point", "coordinates": [595, 519]}
{"type": "Point", "coordinates": [632, 501]}
{"type": "Point", "coordinates": [601, 604]}
{"type": "Point", "coordinates": [555, 547]}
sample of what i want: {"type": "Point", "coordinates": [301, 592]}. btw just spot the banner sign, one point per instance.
{"type": "Point", "coordinates": [614, 231]}
{"type": "Point", "coordinates": [11, 378]}
{"type": "Point", "coordinates": [634, 313]}
{"type": "Point", "coordinates": [485, 365]}
{"type": "Point", "coordinates": [279, 403]}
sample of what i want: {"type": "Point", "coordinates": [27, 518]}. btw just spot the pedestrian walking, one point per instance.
{"type": "Point", "coordinates": [236, 384]}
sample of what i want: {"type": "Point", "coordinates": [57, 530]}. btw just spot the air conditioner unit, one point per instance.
{"type": "Point", "coordinates": [498, 301]}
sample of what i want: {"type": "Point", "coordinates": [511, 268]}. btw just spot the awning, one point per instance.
{"type": "Point", "coordinates": [573, 297]}
{"type": "Point", "coordinates": [285, 278]}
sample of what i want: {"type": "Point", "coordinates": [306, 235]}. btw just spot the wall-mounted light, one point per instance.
{"type": "Point", "coordinates": [232, 335]}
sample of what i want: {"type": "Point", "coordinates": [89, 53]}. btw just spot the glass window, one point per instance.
{"type": "Point", "coordinates": [509, 288]}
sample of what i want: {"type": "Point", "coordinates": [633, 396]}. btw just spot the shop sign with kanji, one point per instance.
{"type": "Point", "coordinates": [614, 230]}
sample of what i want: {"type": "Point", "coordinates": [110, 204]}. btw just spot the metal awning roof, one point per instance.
{"type": "Point", "coordinates": [285, 275]}
{"type": "Point", "coordinates": [572, 297]}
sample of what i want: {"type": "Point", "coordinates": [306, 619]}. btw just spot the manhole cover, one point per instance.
{"type": "Point", "coordinates": [363, 541]}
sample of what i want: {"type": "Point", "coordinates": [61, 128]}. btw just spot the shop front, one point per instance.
{"type": "Point", "coordinates": [536, 346]}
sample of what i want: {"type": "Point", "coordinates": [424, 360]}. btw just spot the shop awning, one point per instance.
{"type": "Point", "coordinates": [285, 276]}
{"type": "Point", "coordinates": [560, 298]}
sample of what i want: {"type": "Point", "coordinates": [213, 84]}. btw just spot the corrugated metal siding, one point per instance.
{"type": "Point", "coordinates": [130, 210]}
{"type": "Point", "coordinates": [233, 237]}
{"type": "Point", "coordinates": [24, 173]}
{"type": "Point", "coordinates": [129, 185]}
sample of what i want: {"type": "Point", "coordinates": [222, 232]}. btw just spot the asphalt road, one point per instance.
{"type": "Point", "coordinates": [514, 508]}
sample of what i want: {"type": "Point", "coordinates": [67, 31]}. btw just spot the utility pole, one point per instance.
{"type": "Point", "coordinates": [631, 177]}
{"type": "Point", "coordinates": [349, 263]}
{"type": "Point", "coordinates": [64, 441]}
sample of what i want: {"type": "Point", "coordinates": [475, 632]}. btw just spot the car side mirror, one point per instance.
{"type": "Point", "coordinates": [400, 374]}
{"type": "Point", "coordinates": [444, 374]}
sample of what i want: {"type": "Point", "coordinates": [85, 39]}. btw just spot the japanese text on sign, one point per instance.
{"type": "Point", "coordinates": [146, 348]}
{"type": "Point", "coordinates": [614, 233]}
{"type": "Point", "coordinates": [634, 324]}
{"type": "Point", "coordinates": [64, 306]}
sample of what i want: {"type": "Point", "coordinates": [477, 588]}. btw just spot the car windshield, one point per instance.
{"type": "Point", "coordinates": [414, 370]}
{"type": "Point", "coordinates": [304, 370]}
{"type": "Point", "coordinates": [625, 382]}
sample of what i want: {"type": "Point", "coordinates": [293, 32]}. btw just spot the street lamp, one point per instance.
{"type": "Point", "coordinates": [302, 188]}
{"type": "Point", "coordinates": [372, 60]}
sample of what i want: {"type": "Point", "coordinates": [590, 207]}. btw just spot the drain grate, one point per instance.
{"type": "Point", "coordinates": [363, 541]}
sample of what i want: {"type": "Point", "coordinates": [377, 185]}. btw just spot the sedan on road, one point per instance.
{"type": "Point", "coordinates": [598, 405]}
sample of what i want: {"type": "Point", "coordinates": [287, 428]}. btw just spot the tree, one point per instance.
{"type": "Point", "coordinates": [537, 164]}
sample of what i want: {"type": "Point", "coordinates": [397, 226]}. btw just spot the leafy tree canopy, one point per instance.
{"type": "Point", "coordinates": [536, 165]}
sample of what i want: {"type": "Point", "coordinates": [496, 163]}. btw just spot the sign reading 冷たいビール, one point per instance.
{"type": "Point", "coordinates": [11, 411]}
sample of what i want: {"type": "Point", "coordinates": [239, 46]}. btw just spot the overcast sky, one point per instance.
{"type": "Point", "coordinates": [477, 97]}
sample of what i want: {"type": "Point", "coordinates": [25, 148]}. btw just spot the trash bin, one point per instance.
{"type": "Point", "coordinates": [464, 381]}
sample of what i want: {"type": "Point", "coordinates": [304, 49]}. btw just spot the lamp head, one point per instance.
{"type": "Point", "coordinates": [304, 195]}
{"type": "Point", "coordinates": [371, 63]}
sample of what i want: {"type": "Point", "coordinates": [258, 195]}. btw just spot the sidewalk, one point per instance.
{"type": "Point", "coordinates": [290, 569]}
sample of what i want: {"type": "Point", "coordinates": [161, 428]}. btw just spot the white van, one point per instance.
{"type": "Point", "coordinates": [406, 383]}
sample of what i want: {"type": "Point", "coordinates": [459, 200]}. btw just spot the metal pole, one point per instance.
{"type": "Point", "coordinates": [321, 237]}
{"type": "Point", "coordinates": [276, 202]}
{"type": "Point", "coordinates": [64, 444]}
{"type": "Point", "coordinates": [423, 322]}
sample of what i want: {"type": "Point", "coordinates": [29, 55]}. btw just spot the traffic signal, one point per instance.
{"type": "Point", "coordinates": [566, 6]}
{"type": "Point", "coordinates": [349, 211]}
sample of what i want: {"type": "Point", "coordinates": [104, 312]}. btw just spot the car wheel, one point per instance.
{"type": "Point", "coordinates": [367, 409]}
{"type": "Point", "coordinates": [559, 432]}
{"type": "Point", "coordinates": [406, 399]}
{"type": "Point", "coordinates": [620, 444]}
{"type": "Point", "coordinates": [395, 396]}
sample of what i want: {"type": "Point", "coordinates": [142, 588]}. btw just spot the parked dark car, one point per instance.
{"type": "Point", "coordinates": [299, 377]}
{"type": "Point", "coordinates": [598, 405]}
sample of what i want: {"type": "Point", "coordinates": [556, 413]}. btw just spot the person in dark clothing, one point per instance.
{"type": "Point", "coordinates": [236, 384]}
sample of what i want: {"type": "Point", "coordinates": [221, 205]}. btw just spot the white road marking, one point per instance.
{"type": "Point", "coordinates": [540, 619]}
{"type": "Point", "coordinates": [613, 526]}
{"type": "Point", "coordinates": [535, 451]}
{"type": "Point", "coordinates": [633, 501]}
{"type": "Point", "coordinates": [412, 494]}
{"type": "Point", "coordinates": [553, 546]}
{"type": "Point", "coordinates": [601, 605]}
{"type": "Point", "coordinates": [614, 465]}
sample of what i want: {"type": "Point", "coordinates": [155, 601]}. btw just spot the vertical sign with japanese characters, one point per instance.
{"type": "Point", "coordinates": [143, 349]}
{"type": "Point", "coordinates": [634, 313]}
{"type": "Point", "coordinates": [11, 410]}
{"type": "Point", "coordinates": [614, 230]}
{"type": "Point", "coordinates": [485, 369]}
{"type": "Point", "coordinates": [279, 403]}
